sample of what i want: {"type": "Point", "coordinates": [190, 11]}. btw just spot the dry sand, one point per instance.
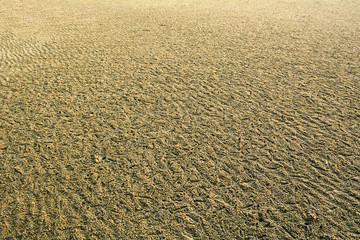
{"type": "Point", "coordinates": [179, 119]}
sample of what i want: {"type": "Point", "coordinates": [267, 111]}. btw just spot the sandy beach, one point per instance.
{"type": "Point", "coordinates": [179, 119]}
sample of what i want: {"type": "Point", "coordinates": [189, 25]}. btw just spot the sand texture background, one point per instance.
{"type": "Point", "coordinates": [179, 119]}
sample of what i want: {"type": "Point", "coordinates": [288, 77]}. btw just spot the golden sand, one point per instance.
{"type": "Point", "coordinates": [179, 119]}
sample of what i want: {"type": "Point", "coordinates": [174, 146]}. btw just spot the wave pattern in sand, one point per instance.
{"type": "Point", "coordinates": [179, 120]}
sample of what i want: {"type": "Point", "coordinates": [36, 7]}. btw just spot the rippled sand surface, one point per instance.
{"type": "Point", "coordinates": [179, 119]}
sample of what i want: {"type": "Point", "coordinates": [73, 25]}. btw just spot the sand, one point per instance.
{"type": "Point", "coordinates": [179, 119]}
